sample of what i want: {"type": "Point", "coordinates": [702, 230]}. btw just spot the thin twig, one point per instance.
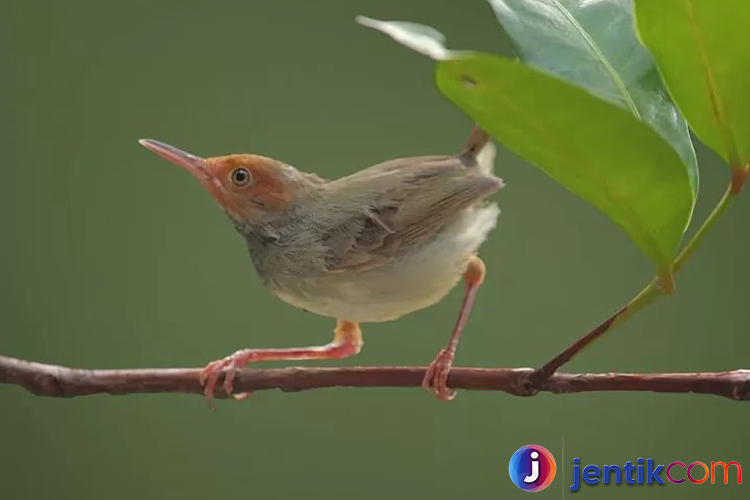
{"type": "Point", "coordinates": [59, 381]}
{"type": "Point", "coordinates": [654, 289]}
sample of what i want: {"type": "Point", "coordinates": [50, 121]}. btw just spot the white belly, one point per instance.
{"type": "Point", "coordinates": [407, 284]}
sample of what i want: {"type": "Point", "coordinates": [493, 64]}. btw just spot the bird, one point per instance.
{"type": "Point", "coordinates": [368, 247]}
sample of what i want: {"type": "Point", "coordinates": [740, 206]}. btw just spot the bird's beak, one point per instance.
{"type": "Point", "coordinates": [193, 164]}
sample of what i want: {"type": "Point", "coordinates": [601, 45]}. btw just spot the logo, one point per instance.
{"type": "Point", "coordinates": [532, 468]}
{"type": "Point", "coordinates": [650, 473]}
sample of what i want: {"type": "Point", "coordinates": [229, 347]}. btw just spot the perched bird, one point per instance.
{"type": "Point", "coordinates": [369, 247]}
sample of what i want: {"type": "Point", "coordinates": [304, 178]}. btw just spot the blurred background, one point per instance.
{"type": "Point", "coordinates": [112, 258]}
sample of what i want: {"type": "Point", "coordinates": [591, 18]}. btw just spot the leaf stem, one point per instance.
{"type": "Point", "coordinates": [653, 290]}
{"type": "Point", "coordinates": [716, 214]}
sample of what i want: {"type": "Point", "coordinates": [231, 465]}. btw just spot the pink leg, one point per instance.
{"type": "Point", "coordinates": [347, 341]}
{"type": "Point", "coordinates": [436, 377]}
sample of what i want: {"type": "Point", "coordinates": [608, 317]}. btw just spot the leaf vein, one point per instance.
{"type": "Point", "coordinates": [602, 59]}
{"type": "Point", "coordinates": [718, 108]}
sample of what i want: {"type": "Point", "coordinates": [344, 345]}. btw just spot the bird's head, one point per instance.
{"type": "Point", "coordinates": [250, 188]}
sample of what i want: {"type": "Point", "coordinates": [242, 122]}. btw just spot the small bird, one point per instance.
{"type": "Point", "coordinates": [369, 247]}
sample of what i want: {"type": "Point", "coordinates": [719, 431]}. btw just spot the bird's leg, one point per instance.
{"type": "Point", "coordinates": [347, 341]}
{"type": "Point", "coordinates": [436, 377]}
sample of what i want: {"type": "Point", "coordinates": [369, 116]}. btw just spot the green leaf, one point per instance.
{"type": "Point", "coordinates": [594, 45]}
{"type": "Point", "coordinates": [702, 48]}
{"type": "Point", "coordinates": [597, 150]}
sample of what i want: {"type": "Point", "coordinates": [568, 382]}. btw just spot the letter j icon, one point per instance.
{"type": "Point", "coordinates": [532, 468]}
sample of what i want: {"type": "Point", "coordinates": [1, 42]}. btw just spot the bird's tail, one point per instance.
{"type": "Point", "coordinates": [479, 148]}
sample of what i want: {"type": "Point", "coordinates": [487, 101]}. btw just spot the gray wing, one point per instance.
{"type": "Point", "coordinates": [384, 210]}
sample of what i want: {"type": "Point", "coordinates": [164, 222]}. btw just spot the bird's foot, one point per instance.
{"type": "Point", "coordinates": [436, 377]}
{"type": "Point", "coordinates": [228, 366]}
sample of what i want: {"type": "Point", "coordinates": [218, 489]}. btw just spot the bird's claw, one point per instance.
{"type": "Point", "coordinates": [209, 377]}
{"type": "Point", "coordinates": [436, 377]}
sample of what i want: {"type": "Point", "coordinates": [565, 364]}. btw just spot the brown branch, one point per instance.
{"type": "Point", "coordinates": [59, 381]}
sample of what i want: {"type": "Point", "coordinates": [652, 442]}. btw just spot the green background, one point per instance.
{"type": "Point", "coordinates": [111, 257]}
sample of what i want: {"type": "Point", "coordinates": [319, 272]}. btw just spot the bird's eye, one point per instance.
{"type": "Point", "coordinates": [241, 177]}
